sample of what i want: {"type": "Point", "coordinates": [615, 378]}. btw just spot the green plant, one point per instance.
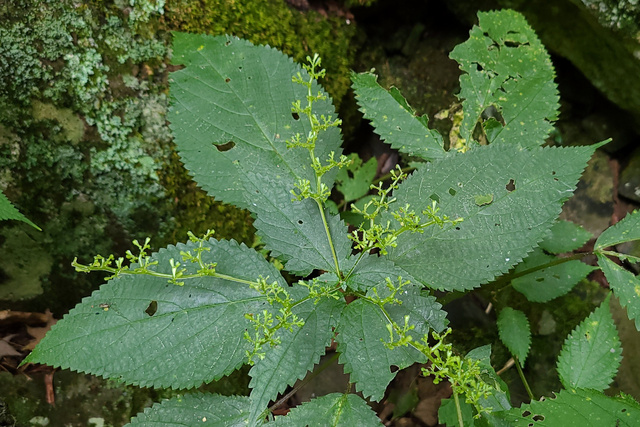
{"type": "Point", "coordinates": [254, 137]}
{"type": "Point", "coordinates": [8, 212]}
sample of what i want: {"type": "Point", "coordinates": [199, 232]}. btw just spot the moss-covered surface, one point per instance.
{"type": "Point", "coordinates": [83, 131]}
{"type": "Point", "coordinates": [273, 22]}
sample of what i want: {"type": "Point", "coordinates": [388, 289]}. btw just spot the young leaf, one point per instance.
{"type": "Point", "coordinates": [551, 282]}
{"type": "Point", "coordinates": [591, 354]}
{"type": "Point", "coordinates": [332, 410]}
{"type": "Point", "coordinates": [624, 231]}
{"type": "Point", "coordinates": [498, 400]}
{"type": "Point", "coordinates": [565, 236]}
{"type": "Point", "coordinates": [362, 333]}
{"type": "Point", "coordinates": [230, 116]}
{"type": "Point", "coordinates": [195, 409]}
{"type": "Point", "coordinates": [515, 333]}
{"type": "Point", "coordinates": [393, 119]}
{"type": "Point", "coordinates": [354, 180]}
{"type": "Point", "coordinates": [624, 285]}
{"type": "Point", "coordinates": [8, 211]}
{"type": "Point", "coordinates": [145, 331]}
{"type": "Point", "coordinates": [574, 408]}
{"type": "Point", "coordinates": [298, 351]}
{"type": "Point", "coordinates": [528, 187]}
{"type": "Point", "coordinates": [506, 67]}
{"type": "Point", "coordinates": [424, 312]}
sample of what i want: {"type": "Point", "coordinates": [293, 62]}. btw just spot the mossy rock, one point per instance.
{"type": "Point", "coordinates": [295, 33]}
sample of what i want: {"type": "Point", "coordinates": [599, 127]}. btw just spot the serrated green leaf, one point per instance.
{"type": "Point", "coordinates": [362, 332]}
{"type": "Point", "coordinates": [194, 336]}
{"type": "Point", "coordinates": [372, 270]}
{"type": "Point", "coordinates": [625, 230]}
{"type": "Point", "coordinates": [394, 120]}
{"type": "Point", "coordinates": [565, 236]}
{"type": "Point", "coordinates": [196, 409]}
{"type": "Point", "coordinates": [574, 408]}
{"type": "Point", "coordinates": [491, 238]}
{"type": "Point", "coordinates": [8, 211]}
{"type": "Point", "coordinates": [294, 231]}
{"type": "Point", "coordinates": [230, 116]}
{"type": "Point", "coordinates": [591, 354]}
{"type": "Point", "coordinates": [625, 286]}
{"type": "Point", "coordinates": [298, 352]}
{"type": "Point", "coordinates": [506, 66]}
{"type": "Point", "coordinates": [551, 282]}
{"type": "Point", "coordinates": [424, 311]}
{"type": "Point", "coordinates": [354, 180]}
{"type": "Point", "coordinates": [515, 332]}
{"type": "Point", "coordinates": [499, 399]}
{"type": "Point", "coordinates": [332, 410]}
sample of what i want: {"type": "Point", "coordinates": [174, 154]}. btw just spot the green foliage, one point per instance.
{"type": "Point", "coordinates": [195, 409]}
{"type": "Point", "coordinates": [540, 280]}
{"type": "Point", "coordinates": [354, 180]}
{"type": "Point", "coordinates": [507, 70]}
{"type": "Point", "coordinates": [256, 130]}
{"type": "Point", "coordinates": [8, 211]}
{"type": "Point", "coordinates": [394, 120]}
{"type": "Point", "coordinates": [333, 410]}
{"type": "Point", "coordinates": [565, 237]}
{"type": "Point", "coordinates": [591, 355]}
{"type": "Point", "coordinates": [515, 332]}
{"type": "Point", "coordinates": [574, 408]}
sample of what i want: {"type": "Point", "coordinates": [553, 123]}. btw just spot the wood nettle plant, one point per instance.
{"type": "Point", "coordinates": [253, 136]}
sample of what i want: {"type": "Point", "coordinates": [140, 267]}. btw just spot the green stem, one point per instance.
{"type": "Point", "coordinates": [456, 399]}
{"type": "Point", "coordinates": [504, 281]}
{"type": "Point", "coordinates": [118, 272]}
{"type": "Point", "coordinates": [329, 239]}
{"type": "Point", "coordinates": [388, 176]}
{"type": "Point", "coordinates": [524, 380]}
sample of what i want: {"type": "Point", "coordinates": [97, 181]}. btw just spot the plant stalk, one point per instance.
{"type": "Point", "coordinates": [456, 399]}
{"type": "Point", "coordinates": [524, 380]}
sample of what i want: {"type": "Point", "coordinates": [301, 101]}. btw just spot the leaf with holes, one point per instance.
{"type": "Point", "coordinates": [515, 332]}
{"type": "Point", "coordinates": [542, 285]}
{"type": "Point", "coordinates": [574, 408]}
{"type": "Point", "coordinates": [196, 409]}
{"type": "Point", "coordinates": [591, 354]}
{"type": "Point", "coordinates": [230, 116]}
{"type": "Point", "coordinates": [394, 120]}
{"type": "Point", "coordinates": [332, 410]}
{"type": "Point", "coordinates": [193, 335]}
{"type": "Point", "coordinates": [507, 85]}
{"type": "Point", "coordinates": [492, 237]}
